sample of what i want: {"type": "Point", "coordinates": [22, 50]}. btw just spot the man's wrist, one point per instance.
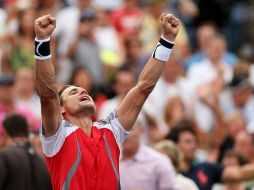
{"type": "Point", "coordinates": [169, 38]}
{"type": "Point", "coordinates": [42, 48]}
{"type": "Point", "coordinates": [163, 49]}
{"type": "Point", "coordinates": [38, 37]}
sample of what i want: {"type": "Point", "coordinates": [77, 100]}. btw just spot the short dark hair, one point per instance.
{"type": "Point", "coordinates": [16, 125]}
{"type": "Point", "coordinates": [60, 93]}
{"type": "Point", "coordinates": [183, 126]}
{"type": "Point", "coordinates": [240, 158]}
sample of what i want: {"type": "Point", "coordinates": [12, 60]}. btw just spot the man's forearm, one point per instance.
{"type": "Point", "coordinates": [153, 69]}
{"type": "Point", "coordinates": [234, 174]}
{"type": "Point", "coordinates": [45, 79]}
{"type": "Point", "coordinates": [150, 75]}
{"type": "Point", "coordinates": [131, 105]}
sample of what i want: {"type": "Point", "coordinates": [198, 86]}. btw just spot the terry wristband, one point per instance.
{"type": "Point", "coordinates": [42, 49]}
{"type": "Point", "coordinates": [163, 50]}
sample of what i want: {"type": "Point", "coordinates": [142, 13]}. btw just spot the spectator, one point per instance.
{"type": "Point", "coordinates": [127, 19]}
{"type": "Point", "coordinates": [241, 99]}
{"type": "Point", "coordinates": [141, 167]}
{"type": "Point", "coordinates": [234, 123]}
{"type": "Point", "coordinates": [108, 40]}
{"type": "Point", "coordinates": [174, 111]}
{"type": "Point", "coordinates": [7, 106]}
{"type": "Point", "coordinates": [20, 167]}
{"type": "Point", "coordinates": [150, 30]}
{"type": "Point", "coordinates": [207, 80]}
{"type": "Point", "coordinates": [232, 158]}
{"type": "Point", "coordinates": [135, 59]}
{"type": "Point", "coordinates": [123, 82]}
{"type": "Point", "coordinates": [22, 42]}
{"type": "Point", "coordinates": [25, 95]}
{"type": "Point", "coordinates": [69, 13]}
{"type": "Point", "coordinates": [244, 145]}
{"type": "Point", "coordinates": [84, 50]}
{"type": "Point", "coordinates": [169, 148]}
{"type": "Point", "coordinates": [49, 6]}
{"type": "Point", "coordinates": [204, 33]}
{"type": "Point", "coordinates": [66, 35]}
{"type": "Point", "coordinates": [205, 174]}
{"type": "Point", "coordinates": [82, 77]}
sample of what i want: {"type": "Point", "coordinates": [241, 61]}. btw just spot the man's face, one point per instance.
{"type": "Point", "coordinates": [216, 49]}
{"type": "Point", "coordinates": [132, 142]}
{"type": "Point", "coordinates": [6, 94]}
{"type": "Point", "coordinates": [243, 144]}
{"type": "Point", "coordinates": [241, 96]}
{"type": "Point", "coordinates": [187, 145]}
{"type": "Point", "coordinates": [124, 82]}
{"type": "Point", "coordinates": [76, 100]}
{"type": "Point", "coordinates": [24, 82]}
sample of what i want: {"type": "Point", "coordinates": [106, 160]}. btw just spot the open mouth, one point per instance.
{"type": "Point", "coordinates": [84, 98]}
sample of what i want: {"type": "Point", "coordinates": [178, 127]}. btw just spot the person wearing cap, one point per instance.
{"type": "Point", "coordinates": [239, 96]}
{"type": "Point", "coordinates": [84, 50]}
{"type": "Point", "coordinates": [20, 166]}
{"type": "Point", "coordinates": [81, 154]}
{"type": "Point", "coordinates": [8, 105]}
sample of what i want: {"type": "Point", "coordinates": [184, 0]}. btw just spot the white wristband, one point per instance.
{"type": "Point", "coordinates": [163, 50]}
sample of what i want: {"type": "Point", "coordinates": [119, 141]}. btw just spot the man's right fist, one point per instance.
{"type": "Point", "coordinates": [170, 26]}
{"type": "Point", "coordinates": [44, 26]}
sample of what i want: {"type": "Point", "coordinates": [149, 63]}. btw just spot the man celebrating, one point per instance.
{"type": "Point", "coordinates": [81, 154]}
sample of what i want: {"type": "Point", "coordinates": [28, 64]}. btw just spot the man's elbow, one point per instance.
{"type": "Point", "coordinates": [47, 93]}
{"type": "Point", "coordinates": [145, 88]}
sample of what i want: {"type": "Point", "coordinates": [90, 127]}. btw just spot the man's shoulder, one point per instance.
{"type": "Point", "coordinates": [12, 153]}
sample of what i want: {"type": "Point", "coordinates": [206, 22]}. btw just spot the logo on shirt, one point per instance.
{"type": "Point", "coordinates": [202, 177]}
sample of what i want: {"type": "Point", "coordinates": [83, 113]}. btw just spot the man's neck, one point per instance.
{"type": "Point", "coordinates": [129, 154]}
{"type": "Point", "coordinates": [185, 166]}
{"type": "Point", "coordinates": [14, 140]}
{"type": "Point", "coordinates": [84, 122]}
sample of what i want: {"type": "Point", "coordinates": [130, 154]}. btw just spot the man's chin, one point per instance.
{"type": "Point", "coordinates": [89, 109]}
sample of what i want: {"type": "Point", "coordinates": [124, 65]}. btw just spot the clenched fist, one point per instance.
{"type": "Point", "coordinates": [44, 26]}
{"type": "Point", "coordinates": [170, 26]}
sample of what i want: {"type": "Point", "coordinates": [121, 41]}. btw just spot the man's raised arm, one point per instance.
{"type": "Point", "coordinates": [130, 107]}
{"type": "Point", "coordinates": [45, 76]}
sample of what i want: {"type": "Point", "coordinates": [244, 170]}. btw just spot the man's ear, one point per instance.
{"type": "Point", "coordinates": [62, 110]}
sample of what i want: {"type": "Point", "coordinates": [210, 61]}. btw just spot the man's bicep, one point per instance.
{"type": "Point", "coordinates": [130, 108]}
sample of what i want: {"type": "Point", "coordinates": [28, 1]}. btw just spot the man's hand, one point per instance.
{"type": "Point", "coordinates": [170, 26]}
{"type": "Point", "coordinates": [44, 26]}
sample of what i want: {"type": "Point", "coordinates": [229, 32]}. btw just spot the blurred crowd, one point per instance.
{"type": "Point", "coordinates": [102, 45]}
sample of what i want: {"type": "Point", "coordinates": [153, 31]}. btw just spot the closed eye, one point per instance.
{"type": "Point", "coordinates": [73, 91]}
